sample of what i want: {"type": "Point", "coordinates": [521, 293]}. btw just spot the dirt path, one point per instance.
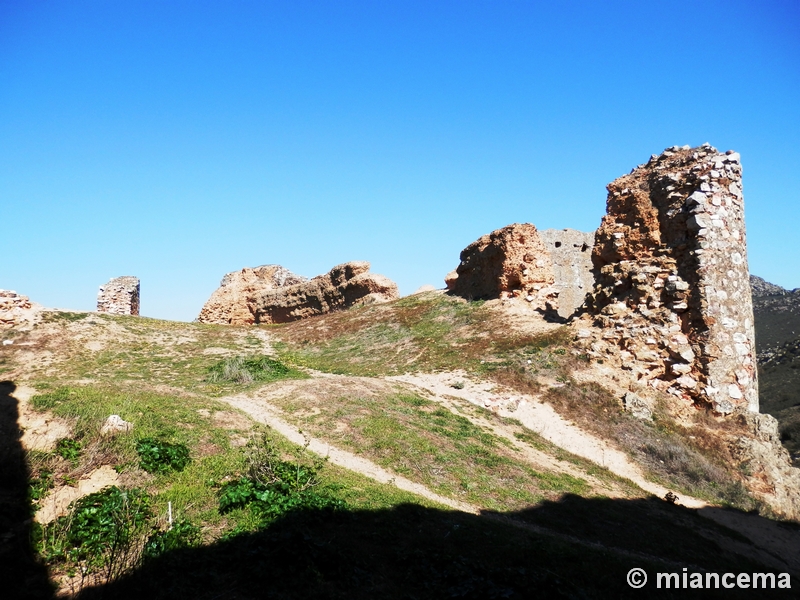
{"type": "Point", "coordinates": [262, 412]}
{"type": "Point", "coordinates": [772, 544]}
{"type": "Point", "coordinates": [544, 420]}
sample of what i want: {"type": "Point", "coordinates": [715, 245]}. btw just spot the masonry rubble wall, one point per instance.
{"type": "Point", "coordinates": [233, 302]}
{"type": "Point", "coordinates": [672, 294]}
{"type": "Point", "coordinates": [508, 262]}
{"type": "Point", "coordinates": [551, 269]}
{"type": "Point", "coordinates": [571, 255]}
{"type": "Point", "coordinates": [14, 308]}
{"type": "Point", "coordinates": [281, 301]}
{"type": "Point", "coordinates": [120, 296]}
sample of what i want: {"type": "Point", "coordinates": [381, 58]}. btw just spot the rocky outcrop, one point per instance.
{"type": "Point", "coordinates": [14, 308]}
{"type": "Point", "coordinates": [272, 294]}
{"type": "Point", "coordinates": [509, 262]}
{"type": "Point", "coordinates": [343, 286]}
{"type": "Point", "coordinates": [232, 303]}
{"type": "Point", "coordinates": [120, 296]}
{"type": "Point", "coordinates": [571, 255]}
{"type": "Point", "coordinates": [672, 296]}
{"type": "Point", "coordinates": [766, 463]}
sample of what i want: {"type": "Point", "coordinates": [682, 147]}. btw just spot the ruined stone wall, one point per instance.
{"type": "Point", "coordinates": [571, 254]}
{"type": "Point", "coordinates": [233, 302]}
{"type": "Point", "coordinates": [345, 285]}
{"type": "Point", "coordinates": [13, 308]}
{"type": "Point", "coordinates": [120, 296]}
{"type": "Point", "coordinates": [273, 294]}
{"type": "Point", "coordinates": [672, 292]}
{"type": "Point", "coordinates": [507, 263]}
{"type": "Point", "coordinates": [550, 269]}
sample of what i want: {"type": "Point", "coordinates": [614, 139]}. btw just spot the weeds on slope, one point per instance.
{"type": "Point", "coordinates": [421, 440]}
{"type": "Point", "coordinates": [691, 460]}
{"type": "Point", "coordinates": [425, 332]}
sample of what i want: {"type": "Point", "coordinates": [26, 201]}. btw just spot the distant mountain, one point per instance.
{"type": "Point", "coordinates": [762, 287]}
{"type": "Point", "coordinates": [777, 323]}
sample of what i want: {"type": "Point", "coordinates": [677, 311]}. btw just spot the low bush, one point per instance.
{"type": "Point", "coordinates": [68, 449]}
{"type": "Point", "coordinates": [243, 370]}
{"type": "Point", "coordinates": [274, 486]}
{"type": "Point", "coordinates": [101, 534]}
{"type": "Point", "coordinates": [182, 534]}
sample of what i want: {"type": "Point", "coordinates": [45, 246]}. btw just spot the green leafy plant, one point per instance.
{"type": "Point", "coordinates": [68, 449]}
{"type": "Point", "coordinates": [182, 534]}
{"type": "Point", "coordinates": [40, 485]}
{"type": "Point", "coordinates": [101, 534]}
{"type": "Point", "coordinates": [274, 486]}
{"type": "Point", "coordinates": [157, 456]}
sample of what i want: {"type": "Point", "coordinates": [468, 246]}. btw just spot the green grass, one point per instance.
{"type": "Point", "coordinates": [429, 444]}
{"type": "Point", "coordinates": [428, 332]}
{"type": "Point", "coordinates": [156, 375]}
{"type": "Point", "coordinates": [246, 370]}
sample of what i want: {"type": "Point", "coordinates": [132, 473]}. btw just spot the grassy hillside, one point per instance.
{"type": "Point", "coordinates": [205, 501]}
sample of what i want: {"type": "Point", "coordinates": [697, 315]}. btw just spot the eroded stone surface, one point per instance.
{"type": "Point", "coordinates": [115, 424]}
{"type": "Point", "coordinates": [511, 261]}
{"type": "Point", "coordinates": [232, 302]}
{"type": "Point", "coordinates": [672, 295]}
{"type": "Point", "coordinates": [271, 294]}
{"type": "Point", "coordinates": [14, 308]}
{"type": "Point", "coordinates": [343, 286]}
{"type": "Point", "coordinates": [120, 296]}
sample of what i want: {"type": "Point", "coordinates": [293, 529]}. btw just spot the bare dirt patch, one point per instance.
{"type": "Point", "coordinates": [231, 420]}
{"type": "Point", "coordinates": [56, 502]}
{"type": "Point", "coordinates": [41, 430]}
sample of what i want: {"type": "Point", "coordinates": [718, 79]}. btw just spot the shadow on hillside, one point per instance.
{"type": "Point", "coordinates": [416, 552]}
{"type": "Point", "coordinates": [572, 548]}
{"type": "Point", "coordinates": [21, 575]}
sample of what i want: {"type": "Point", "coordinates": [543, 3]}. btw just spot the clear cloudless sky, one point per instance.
{"type": "Point", "coordinates": [177, 141]}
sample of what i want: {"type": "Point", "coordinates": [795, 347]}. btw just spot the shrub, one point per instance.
{"type": "Point", "coordinates": [156, 456]}
{"type": "Point", "coordinates": [68, 449]}
{"type": "Point", "coordinates": [40, 485]}
{"type": "Point", "coordinates": [244, 370]}
{"type": "Point", "coordinates": [102, 532]}
{"type": "Point", "coordinates": [274, 486]}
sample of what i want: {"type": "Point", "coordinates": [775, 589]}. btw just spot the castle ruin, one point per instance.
{"type": "Point", "coordinates": [672, 292]}
{"type": "Point", "coordinates": [663, 284]}
{"type": "Point", "coordinates": [120, 296]}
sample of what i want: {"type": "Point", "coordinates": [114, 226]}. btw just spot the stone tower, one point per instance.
{"type": "Point", "coordinates": [120, 296]}
{"type": "Point", "coordinates": [672, 289]}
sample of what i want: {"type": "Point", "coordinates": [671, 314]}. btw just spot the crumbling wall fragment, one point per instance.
{"type": "Point", "coordinates": [14, 308]}
{"type": "Point", "coordinates": [274, 295]}
{"type": "Point", "coordinates": [508, 262]}
{"type": "Point", "coordinates": [232, 303]}
{"type": "Point", "coordinates": [551, 269]}
{"type": "Point", "coordinates": [120, 296]}
{"type": "Point", "coordinates": [672, 294]}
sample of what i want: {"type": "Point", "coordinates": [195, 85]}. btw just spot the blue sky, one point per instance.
{"type": "Point", "coordinates": [177, 141]}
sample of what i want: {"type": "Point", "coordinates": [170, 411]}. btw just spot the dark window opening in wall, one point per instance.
{"type": "Point", "coordinates": [558, 244]}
